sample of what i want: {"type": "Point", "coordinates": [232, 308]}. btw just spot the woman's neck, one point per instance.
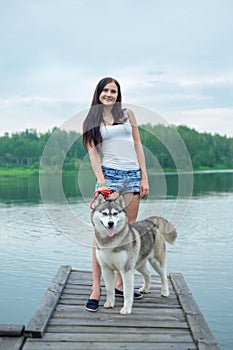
{"type": "Point", "coordinates": [107, 111]}
{"type": "Point", "coordinates": [108, 118]}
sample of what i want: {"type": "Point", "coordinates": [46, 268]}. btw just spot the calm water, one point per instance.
{"type": "Point", "coordinates": [37, 239]}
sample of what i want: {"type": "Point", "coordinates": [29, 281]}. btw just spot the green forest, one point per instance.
{"type": "Point", "coordinates": [23, 150]}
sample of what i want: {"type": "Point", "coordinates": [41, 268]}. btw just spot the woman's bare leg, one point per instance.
{"type": "Point", "coordinates": [131, 206]}
{"type": "Point", "coordinates": [96, 274]}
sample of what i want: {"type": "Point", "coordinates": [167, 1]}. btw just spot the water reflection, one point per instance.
{"type": "Point", "coordinates": [207, 182]}
{"type": "Point", "coordinates": [26, 189]}
{"type": "Point", "coordinates": [19, 189]}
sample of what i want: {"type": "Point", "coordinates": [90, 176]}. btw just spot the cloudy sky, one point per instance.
{"type": "Point", "coordinates": [172, 57]}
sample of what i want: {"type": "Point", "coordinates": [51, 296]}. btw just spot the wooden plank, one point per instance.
{"type": "Point", "coordinates": [124, 337]}
{"type": "Point", "coordinates": [11, 343]}
{"type": "Point", "coordinates": [146, 298]}
{"type": "Point", "coordinates": [37, 325]}
{"type": "Point", "coordinates": [33, 345]}
{"type": "Point", "coordinates": [114, 322]}
{"type": "Point", "coordinates": [161, 314]}
{"type": "Point", "coordinates": [202, 335]}
{"type": "Point", "coordinates": [179, 285]}
{"type": "Point", "coordinates": [80, 277]}
{"type": "Point", "coordinates": [11, 330]}
{"type": "Point", "coordinates": [204, 345]}
{"type": "Point", "coordinates": [84, 293]}
{"type": "Point", "coordinates": [116, 330]}
{"type": "Point", "coordinates": [74, 310]}
{"type": "Point", "coordinates": [83, 277]}
{"type": "Point", "coordinates": [114, 313]}
{"type": "Point", "coordinates": [169, 303]}
{"type": "Point", "coordinates": [81, 291]}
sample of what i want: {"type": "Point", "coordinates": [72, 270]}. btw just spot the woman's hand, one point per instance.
{"type": "Point", "coordinates": [144, 187]}
{"type": "Point", "coordinates": [113, 195]}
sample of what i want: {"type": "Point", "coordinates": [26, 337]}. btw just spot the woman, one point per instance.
{"type": "Point", "coordinates": [112, 132]}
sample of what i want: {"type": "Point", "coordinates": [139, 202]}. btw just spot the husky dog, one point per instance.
{"type": "Point", "coordinates": [126, 247]}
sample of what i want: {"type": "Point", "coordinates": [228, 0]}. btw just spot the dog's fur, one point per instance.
{"type": "Point", "coordinates": [126, 247]}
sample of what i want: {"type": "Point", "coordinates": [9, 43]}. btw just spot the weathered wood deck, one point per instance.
{"type": "Point", "coordinates": [62, 323]}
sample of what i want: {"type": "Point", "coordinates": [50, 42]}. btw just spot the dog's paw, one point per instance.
{"type": "Point", "coordinates": [143, 290]}
{"type": "Point", "coordinates": [165, 293]}
{"type": "Point", "coordinates": [108, 304]}
{"type": "Point", "coordinates": [125, 310]}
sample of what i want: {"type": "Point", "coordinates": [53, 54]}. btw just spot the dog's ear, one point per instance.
{"type": "Point", "coordinates": [99, 200]}
{"type": "Point", "coordinates": [120, 201]}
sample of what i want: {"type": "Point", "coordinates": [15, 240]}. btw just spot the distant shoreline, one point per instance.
{"type": "Point", "coordinates": [28, 172]}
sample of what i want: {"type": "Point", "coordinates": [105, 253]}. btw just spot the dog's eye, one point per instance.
{"type": "Point", "coordinates": [115, 214]}
{"type": "Point", "coordinates": [105, 214]}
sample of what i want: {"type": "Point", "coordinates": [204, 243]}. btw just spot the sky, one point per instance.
{"type": "Point", "coordinates": [174, 58]}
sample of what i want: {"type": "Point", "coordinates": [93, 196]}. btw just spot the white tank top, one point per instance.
{"type": "Point", "coordinates": [118, 147]}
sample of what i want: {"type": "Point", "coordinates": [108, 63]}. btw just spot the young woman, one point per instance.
{"type": "Point", "coordinates": [110, 133]}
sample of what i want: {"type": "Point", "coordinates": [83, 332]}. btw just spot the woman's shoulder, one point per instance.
{"type": "Point", "coordinates": [131, 116]}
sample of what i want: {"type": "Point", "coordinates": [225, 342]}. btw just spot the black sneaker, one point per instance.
{"type": "Point", "coordinates": [92, 305]}
{"type": "Point", "coordinates": [119, 293]}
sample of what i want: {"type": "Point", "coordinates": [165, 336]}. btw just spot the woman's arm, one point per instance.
{"type": "Point", "coordinates": [96, 166]}
{"type": "Point", "coordinates": [96, 163]}
{"type": "Point", "coordinates": [140, 153]}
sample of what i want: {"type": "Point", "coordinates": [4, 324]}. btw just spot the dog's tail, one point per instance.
{"type": "Point", "coordinates": [166, 228]}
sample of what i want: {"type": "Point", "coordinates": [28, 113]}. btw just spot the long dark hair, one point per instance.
{"type": "Point", "coordinates": [92, 122]}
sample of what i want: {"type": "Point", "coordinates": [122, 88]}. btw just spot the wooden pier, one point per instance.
{"type": "Point", "coordinates": [62, 323]}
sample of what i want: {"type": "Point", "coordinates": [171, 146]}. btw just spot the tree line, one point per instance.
{"type": "Point", "coordinates": [25, 149]}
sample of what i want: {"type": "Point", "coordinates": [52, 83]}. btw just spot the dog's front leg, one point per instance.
{"type": "Point", "coordinates": [108, 275]}
{"type": "Point", "coordinates": [128, 288]}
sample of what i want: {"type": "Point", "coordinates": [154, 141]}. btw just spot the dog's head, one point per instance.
{"type": "Point", "coordinates": [108, 216]}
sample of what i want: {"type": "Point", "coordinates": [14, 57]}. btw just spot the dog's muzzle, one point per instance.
{"type": "Point", "coordinates": [110, 228]}
{"type": "Point", "coordinates": [110, 224]}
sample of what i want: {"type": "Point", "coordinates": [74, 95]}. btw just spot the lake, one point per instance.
{"type": "Point", "coordinates": [38, 236]}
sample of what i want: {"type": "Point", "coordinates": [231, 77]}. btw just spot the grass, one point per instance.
{"type": "Point", "coordinates": [27, 171]}
{"type": "Point", "coordinates": [13, 172]}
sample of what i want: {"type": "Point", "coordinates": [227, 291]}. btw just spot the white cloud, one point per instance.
{"type": "Point", "coordinates": [214, 79]}
{"type": "Point", "coordinates": [213, 120]}
{"type": "Point", "coordinates": [59, 92]}
{"type": "Point", "coordinates": [173, 59]}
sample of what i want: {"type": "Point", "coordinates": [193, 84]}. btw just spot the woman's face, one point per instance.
{"type": "Point", "coordinates": [109, 94]}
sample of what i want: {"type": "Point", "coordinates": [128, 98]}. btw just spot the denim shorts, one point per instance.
{"type": "Point", "coordinates": [122, 181]}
